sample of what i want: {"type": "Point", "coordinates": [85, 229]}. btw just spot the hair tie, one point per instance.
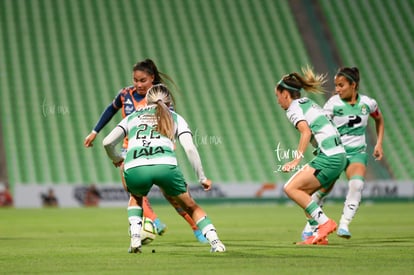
{"type": "Point", "coordinates": [347, 76]}
{"type": "Point", "coordinates": [286, 86]}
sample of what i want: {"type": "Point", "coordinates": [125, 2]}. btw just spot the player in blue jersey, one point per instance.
{"type": "Point", "coordinates": [129, 99]}
{"type": "Point", "coordinates": [151, 160]}
{"type": "Point", "coordinates": [330, 160]}
{"type": "Point", "coordinates": [351, 111]}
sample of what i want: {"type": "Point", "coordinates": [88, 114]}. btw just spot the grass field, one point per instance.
{"type": "Point", "coordinates": [259, 240]}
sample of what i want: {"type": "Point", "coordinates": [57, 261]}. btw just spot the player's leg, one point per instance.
{"type": "Point", "coordinates": [135, 214]}
{"type": "Point", "coordinates": [202, 220]}
{"type": "Point", "coordinates": [311, 225]}
{"type": "Point", "coordinates": [172, 183]}
{"type": "Point", "coordinates": [146, 206]}
{"type": "Point", "coordinates": [196, 231]}
{"type": "Point", "coordinates": [321, 172]}
{"type": "Point", "coordinates": [138, 181]}
{"type": "Point", "coordinates": [300, 187]}
{"type": "Point", "coordinates": [149, 213]}
{"type": "Point", "coordinates": [355, 173]}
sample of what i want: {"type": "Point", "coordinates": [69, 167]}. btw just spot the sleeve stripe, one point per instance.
{"type": "Point", "coordinates": [185, 132]}
{"type": "Point", "coordinates": [123, 129]}
{"type": "Point", "coordinates": [297, 122]}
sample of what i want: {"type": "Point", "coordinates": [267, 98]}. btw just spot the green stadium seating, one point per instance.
{"type": "Point", "coordinates": [378, 38]}
{"type": "Point", "coordinates": [64, 61]}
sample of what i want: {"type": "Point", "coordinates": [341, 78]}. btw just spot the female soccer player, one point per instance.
{"type": "Point", "coordinates": [144, 74]}
{"type": "Point", "coordinates": [330, 158]}
{"type": "Point", "coordinates": [350, 111]}
{"type": "Point", "coordinates": [151, 159]}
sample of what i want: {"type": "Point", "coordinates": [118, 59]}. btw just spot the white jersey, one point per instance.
{"type": "Point", "coordinates": [352, 120]}
{"type": "Point", "coordinates": [324, 132]}
{"type": "Point", "coordinates": [145, 145]}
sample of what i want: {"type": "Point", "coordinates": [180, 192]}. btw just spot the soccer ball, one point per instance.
{"type": "Point", "coordinates": [148, 231]}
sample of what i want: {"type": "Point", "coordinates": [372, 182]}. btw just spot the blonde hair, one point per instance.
{"type": "Point", "coordinates": [160, 95]}
{"type": "Point", "coordinates": [310, 82]}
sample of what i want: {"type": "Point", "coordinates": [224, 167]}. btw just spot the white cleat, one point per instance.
{"type": "Point", "coordinates": [135, 246]}
{"type": "Point", "coordinates": [217, 246]}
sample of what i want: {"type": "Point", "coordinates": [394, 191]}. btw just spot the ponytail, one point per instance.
{"type": "Point", "coordinates": [161, 97]}
{"type": "Point", "coordinates": [294, 83]}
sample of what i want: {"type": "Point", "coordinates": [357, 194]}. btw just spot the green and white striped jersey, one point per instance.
{"type": "Point", "coordinates": [145, 145]}
{"type": "Point", "coordinates": [324, 132]}
{"type": "Point", "coordinates": [352, 120]}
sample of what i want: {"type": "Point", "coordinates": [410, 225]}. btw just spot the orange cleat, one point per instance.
{"type": "Point", "coordinates": [310, 241]}
{"type": "Point", "coordinates": [324, 230]}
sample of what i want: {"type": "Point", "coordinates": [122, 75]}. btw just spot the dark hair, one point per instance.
{"type": "Point", "coordinates": [351, 74]}
{"type": "Point", "coordinates": [294, 82]}
{"type": "Point", "coordinates": [149, 67]}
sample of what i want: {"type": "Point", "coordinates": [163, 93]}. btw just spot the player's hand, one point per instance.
{"type": "Point", "coordinates": [206, 184]}
{"type": "Point", "coordinates": [119, 163]}
{"type": "Point", "coordinates": [88, 142]}
{"type": "Point", "coordinates": [287, 167]}
{"type": "Point", "coordinates": [378, 153]}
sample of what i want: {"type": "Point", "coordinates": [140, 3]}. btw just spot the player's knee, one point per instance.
{"type": "Point", "coordinates": [356, 185]}
{"type": "Point", "coordinates": [288, 189]}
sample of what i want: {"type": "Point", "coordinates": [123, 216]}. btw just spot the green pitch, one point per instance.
{"type": "Point", "coordinates": [259, 240]}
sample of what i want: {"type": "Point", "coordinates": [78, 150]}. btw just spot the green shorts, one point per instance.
{"type": "Point", "coordinates": [328, 169]}
{"type": "Point", "coordinates": [359, 157]}
{"type": "Point", "coordinates": [169, 178]}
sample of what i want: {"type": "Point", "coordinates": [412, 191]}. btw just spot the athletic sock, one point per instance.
{"type": "Point", "coordinates": [135, 219]}
{"type": "Point", "coordinates": [208, 229]}
{"type": "Point", "coordinates": [319, 197]}
{"type": "Point", "coordinates": [352, 201]}
{"type": "Point", "coordinates": [316, 212]}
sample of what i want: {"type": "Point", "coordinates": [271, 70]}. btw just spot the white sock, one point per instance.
{"type": "Point", "coordinates": [319, 197]}
{"type": "Point", "coordinates": [316, 212]}
{"type": "Point", "coordinates": [352, 201]}
{"type": "Point", "coordinates": [135, 224]}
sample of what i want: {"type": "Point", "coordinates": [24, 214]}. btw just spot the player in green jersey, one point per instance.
{"type": "Point", "coordinates": [151, 159]}
{"type": "Point", "coordinates": [330, 160]}
{"type": "Point", "coordinates": [350, 112]}
{"type": "Point", "coordinates": [145, 73]}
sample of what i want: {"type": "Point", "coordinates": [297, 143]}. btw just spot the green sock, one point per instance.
{"type": "Point", "coordinates": [135, 211]}
{"type": "Point", "coordinates": [315, 211]}
{"type": "Point", "coordinates": [312, 222]}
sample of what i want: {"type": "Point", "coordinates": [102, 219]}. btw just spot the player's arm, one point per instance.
{"type": "Point", "coordinates": [186, 140]}
{"type": "Point", "coordinates": [110, 142]}
{"type": "Point", "coordinates": [105, 117]}
{"type": "Point", "coordinates": [379, 126]}
{"type": "Point", "coordinates": [305, 137]}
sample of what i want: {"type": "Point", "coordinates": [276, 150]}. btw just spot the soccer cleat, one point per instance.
{"type": "Point", "coordinates": [160, 227]}
{"type": "Point", "coordinates": [217, 246]}
{"type": "Point", "coordinates": [135, 246]}
{"type": "Point", "coordinates": [310, 241]}
{"type": "Point", "coordinates": [324, 230]}
{"type": "Point", "coordinates": [199, 236]}
{"type": "Point", "coordinates": [343, 233]}
{"type": "Point", "coordinates": [306, 235]}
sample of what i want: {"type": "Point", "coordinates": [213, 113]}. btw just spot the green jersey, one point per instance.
{"type": "Point", "coordinates": [352, 120]}
{"type": "Point", "coordinates": [324, 132]}
{"type": "Point", "coordinates": [145, 145]}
